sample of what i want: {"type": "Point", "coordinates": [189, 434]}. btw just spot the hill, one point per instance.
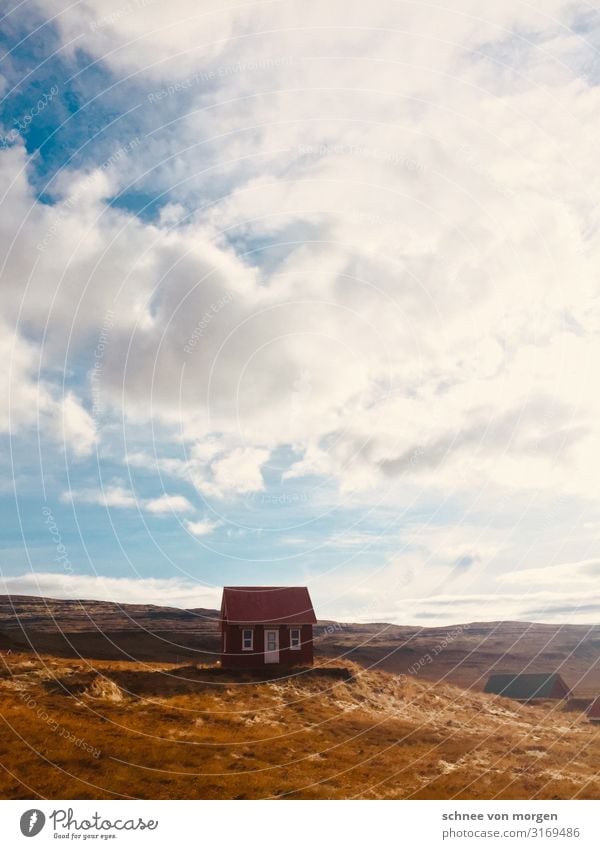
{"type": "Point", "coordinates": [103, 700]}
{"type": "Point", "coordinates": [114, 729]}
{"type": "Point", "coordinates": [463, 655]}
{"type": "Point", "coordinates": [466, 654]}
{"type": "Point", "coordinates": [107, 630]}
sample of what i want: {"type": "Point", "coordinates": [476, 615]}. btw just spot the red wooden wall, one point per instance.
{"type": "Point", "coordinates": [236, 657]}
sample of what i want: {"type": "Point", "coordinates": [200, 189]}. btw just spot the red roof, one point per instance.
{"type": "Point", "coordinates": [594, 709]}
{"type": "Point", "coordinates": [282, 605]}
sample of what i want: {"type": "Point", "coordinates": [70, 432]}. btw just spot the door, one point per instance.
{"type": "Point", "coordinates": [271, 645]}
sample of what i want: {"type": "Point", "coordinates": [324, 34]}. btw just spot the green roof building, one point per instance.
{"type": "Point", "coordinates": [525, 687]}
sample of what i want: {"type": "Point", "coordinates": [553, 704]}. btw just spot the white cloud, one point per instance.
{"type": "Point", "coordinates": [408, 590]}
{"type": "Point", "coordinates": [390, 281]}
{"type": "Point", "coordinates": [213, 466]}
{"type": "Point", "coordinates": [109, 496]}
{"type": "Point", "coordinates": [239, 472]}
{"type": "Point", "coordinates": [175, 592]}
{"type": "Point", "coordinates": [201, 528]}
{"type": "Point", "coordinates": [119, 497]}
{"type": "Point", "coordinates": [583, 575]}
{"type": "Point", "coordinates": [351, 364]}
{"type": "Point", "coordinates": [32, 403]}
{"type": "Point", "coordinates": [403, 593]}
{"type": "Point", "coordinates": [540, 606]}
{"type": "Point", "coordinates": [168, 504]}
{"type": "Point", "coordinates": [78, 426]}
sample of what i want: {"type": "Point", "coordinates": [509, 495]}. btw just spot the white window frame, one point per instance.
{"type": "Point", "coordinates": [299, 632]}
{"type": "Point", "coordinates": [244, 646]}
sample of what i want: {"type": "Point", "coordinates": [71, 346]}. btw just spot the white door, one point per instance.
{"type": "Point", "coordinates": [271, 645]}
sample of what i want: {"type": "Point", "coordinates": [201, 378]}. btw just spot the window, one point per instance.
{"type": "Point", "coordinates": [295, 639]}
{"type": "Point", "coordinates": [247, 639]}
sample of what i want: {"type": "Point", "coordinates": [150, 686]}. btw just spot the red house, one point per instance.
{"type": "Point", "coordinates": [593, 713]}
{"type": "Point", "coordinates": [261, 626]}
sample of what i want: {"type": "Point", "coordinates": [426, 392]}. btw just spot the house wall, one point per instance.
{"type": "Point", "coordinates": [518, 691]}
{"type": "Point", "coordinates": [236, 657]}
{"type": "Point", "coordinates": [560, 690]}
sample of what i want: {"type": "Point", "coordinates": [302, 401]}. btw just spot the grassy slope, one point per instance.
{"type": "Point", "coordinates": [186, 732]}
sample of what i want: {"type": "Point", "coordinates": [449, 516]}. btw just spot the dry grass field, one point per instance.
{"type": "Point", "coordinates": [99, 700]}
{"type": "Point", "coordinates": [74, 728]}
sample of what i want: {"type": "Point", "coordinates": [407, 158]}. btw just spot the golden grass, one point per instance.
{"type": "Point", "coordinates": [82, 729]}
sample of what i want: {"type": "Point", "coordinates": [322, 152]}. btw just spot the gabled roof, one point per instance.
{"type": "Point", "coordinates": [276, 605]}
{"type": "Point", "coordinates": [594, 709]}
{"type": "Point", "coordinates": [531, 685]}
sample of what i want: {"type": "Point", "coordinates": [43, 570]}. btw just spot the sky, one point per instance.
{"type": "Point", "coordinates": [302, 292]}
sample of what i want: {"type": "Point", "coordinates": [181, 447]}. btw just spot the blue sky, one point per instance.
{"type": "Point", "coordinates": [302, 293]}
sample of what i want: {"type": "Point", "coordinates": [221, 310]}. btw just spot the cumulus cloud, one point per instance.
{"type": "Point", "coordinates": [31, 402]}
{"type": "Point", "coordinates": [374, 352]}
{"type": "Point", "coordinates": [239, 471]}
{"type": "Point", "coordinates": [214, 467]}
{"type": "Point", "coordinates": [387, 282]}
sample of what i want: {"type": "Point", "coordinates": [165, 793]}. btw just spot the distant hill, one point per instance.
{"type": "Point", "coordinates": [466, 654]}
{"type": "Point", "coordinates": [110, 631]}
{"type": "Point", "coordinates": [51, 614]}
{"type": "Point", "coordinates": [463, 655]}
